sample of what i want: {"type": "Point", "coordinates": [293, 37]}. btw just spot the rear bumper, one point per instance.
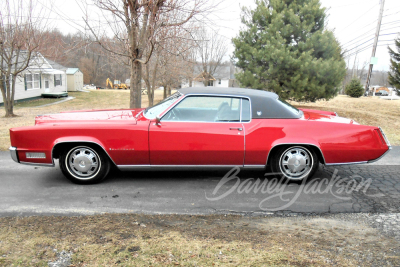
{"type": "Point", "coordinates": [14, 154]}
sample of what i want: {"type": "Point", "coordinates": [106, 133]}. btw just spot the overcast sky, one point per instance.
{"type": "Point", "coordinates": [353, 22]}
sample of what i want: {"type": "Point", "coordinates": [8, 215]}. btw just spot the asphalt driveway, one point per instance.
{"type": "Point", "coordinates": [27, 190]}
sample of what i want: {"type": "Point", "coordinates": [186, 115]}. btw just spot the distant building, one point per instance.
{"type": "Point", "coordinates": [40, 78]}
{"type": "Point", "coordinates": [224, 76]}
{"type": "Point", "coordinates": [74, 79]}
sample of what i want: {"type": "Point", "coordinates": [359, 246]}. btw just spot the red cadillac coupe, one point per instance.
{"type": "Point", "coordinates": [197, 128]}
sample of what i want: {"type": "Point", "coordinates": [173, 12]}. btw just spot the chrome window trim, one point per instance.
{"type": "Point", "coordinates": [182, 96]}
{"type": "Point", "coordinates": [14, 154]}
{"type": "Point", "coordinates": [217, 95]}
{"type": "Point", "coordinates": [269, 152]}
{"type": "Point", "coordinates": [241, 110]}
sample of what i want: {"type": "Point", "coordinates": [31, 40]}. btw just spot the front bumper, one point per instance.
{"type": "Point", "coordinates": [14, 154]}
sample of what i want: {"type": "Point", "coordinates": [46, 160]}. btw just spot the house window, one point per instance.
{"type": "Point", "coordinates": [57, 79]}
{"type": "Point", "coordinates": [33, 81]}
{"type": "Point", "coordinates": [219, 81]}
{"type": "Point", "coordinates": [210, 83]}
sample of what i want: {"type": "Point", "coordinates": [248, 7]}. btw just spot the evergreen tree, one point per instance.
{"type": "Point", "coordinates": [284, 48]}
{"type": "Point", "coordinates": [354, 88]}
{"type": "Point", "coordinates": [394, 74]}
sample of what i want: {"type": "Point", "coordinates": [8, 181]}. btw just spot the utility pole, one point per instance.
{"type": "Point", "coordinates": [378, 28]}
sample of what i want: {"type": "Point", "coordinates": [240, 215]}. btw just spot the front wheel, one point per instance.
{"type": "Point", "coordinates": [295, 163]}
{"type": "Point", "coordinates": [84, 164]}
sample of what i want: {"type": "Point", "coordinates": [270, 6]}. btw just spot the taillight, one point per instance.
{"type": "Point", "coordinates": [382, 136]}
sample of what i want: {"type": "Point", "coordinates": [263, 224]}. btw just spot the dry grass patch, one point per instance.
{"type": "Point", "coordinates": [364, 110]}
{"type": "Point", "coordinates": [172, 240]}
{"type": "Point", "coordinates": [96, 99]}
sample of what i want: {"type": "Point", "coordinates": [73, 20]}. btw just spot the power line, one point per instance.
{"type": "Point", "coordinates": [366, 48]}
{"type": "Point", "coordinates": [359, 17]}
{"type": "Point", "coordinates": [370, 40]}
{"type": "Point", "coordinates": [360, 45]}
{"type": "Point", "coordinates": [355, 39]}
{"type": "Point", "coordinates": [356, 3]}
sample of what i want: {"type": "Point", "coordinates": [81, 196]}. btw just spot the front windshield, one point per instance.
{"type": "Point", "coordinates": [152, 112]}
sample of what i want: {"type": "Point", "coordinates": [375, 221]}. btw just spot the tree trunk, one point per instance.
{"type": "Point", "coordinates": [136, 85]}
{"type": "Point", "coordinates": [169, 90]}
{"type": "Point", "coordinates": [9, 109]}
{"type": "Point", "coordinates": [146, 78]}
{"type": "Point", "coordinates": [153, 84]}
{"type": "Point", "coordinates": [8, 97]}
{"type": "Point", "coordinates": [165, 91]}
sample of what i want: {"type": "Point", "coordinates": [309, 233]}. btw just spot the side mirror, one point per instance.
{"type": "Point", "coordinates": [158, 120]}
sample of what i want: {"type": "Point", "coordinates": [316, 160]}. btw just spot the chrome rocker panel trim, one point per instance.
{"type": "Point", "coordinates": [183, 167]}
{"type": "Point", "coordinates": [38, 164]}
{"type": "Point", "coordinates": [346, 163]}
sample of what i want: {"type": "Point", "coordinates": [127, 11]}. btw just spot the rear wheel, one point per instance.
{"type": "Point", "coordinates": [295, 163]}
{"type": "Point", "coordinates": [84, 164]}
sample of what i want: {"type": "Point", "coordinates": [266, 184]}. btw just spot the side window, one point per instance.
{"type": "Point", "coordinates": [205, 109]}
{"type": "Point", "coordinates": [246, 112]}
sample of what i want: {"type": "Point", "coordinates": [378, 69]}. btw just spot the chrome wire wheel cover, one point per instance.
{"type": "Point", "coordinates": [83, 163]}
{"type": "Point", "coordinates": [296, 163]}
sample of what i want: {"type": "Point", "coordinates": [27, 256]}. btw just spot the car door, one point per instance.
{"type": "Point", "coordinates": [199, 130]}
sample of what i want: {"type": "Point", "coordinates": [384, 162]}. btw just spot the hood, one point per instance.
{"type": "Point", "coordinates": [325, 116]}
{"type": "Point", "coordinates": [89, 117]}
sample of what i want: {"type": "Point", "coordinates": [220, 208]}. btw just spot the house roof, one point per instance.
{"type": "Point", "coordinates": [37, 61]}
{"type": "Point", "coordinates": [72, 70]}
{"type": "Point", "coordinates": [55, 65]}
{"type": "Point", "coordinates": [204, 76]}
{"type": "Point", "coordinates": [223, 72]}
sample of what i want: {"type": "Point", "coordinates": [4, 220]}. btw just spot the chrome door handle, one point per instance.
{"type": "Point", "coordinates": [236, 128]}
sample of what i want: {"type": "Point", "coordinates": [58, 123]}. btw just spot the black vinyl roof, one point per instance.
{"type": "Point", "coordinates": [264, 104]}
{"type": "Point", "coordinates": [228, 91]}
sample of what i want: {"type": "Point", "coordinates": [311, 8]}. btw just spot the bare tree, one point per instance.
{"type": "Point", "coordinates": [20, 36]}
{"type": "Point", "coordinates": [135, 25]}
{"type": "Point", "coordinates": [170, 62]}
{"type": "Point", "coordinates": [211, 50]}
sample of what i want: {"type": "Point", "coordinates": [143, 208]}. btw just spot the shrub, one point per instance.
{"type": "Point", "coordinates": [354, 88]}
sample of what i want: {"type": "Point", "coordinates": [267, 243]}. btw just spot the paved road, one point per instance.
{"type": "Point", "coordinates": [27, 190]}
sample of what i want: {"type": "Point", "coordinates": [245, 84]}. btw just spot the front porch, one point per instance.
{"type": "Point", "coordinates": [55, 94]}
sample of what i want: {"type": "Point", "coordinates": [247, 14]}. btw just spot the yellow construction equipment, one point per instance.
{"type": "Point", "coordinates": [117, 84]}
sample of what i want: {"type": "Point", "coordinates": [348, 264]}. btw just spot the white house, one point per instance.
{"type": "Point", "coordinates": [224, 76]}
{"type": "Point", "coordinates": [40, 78]}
